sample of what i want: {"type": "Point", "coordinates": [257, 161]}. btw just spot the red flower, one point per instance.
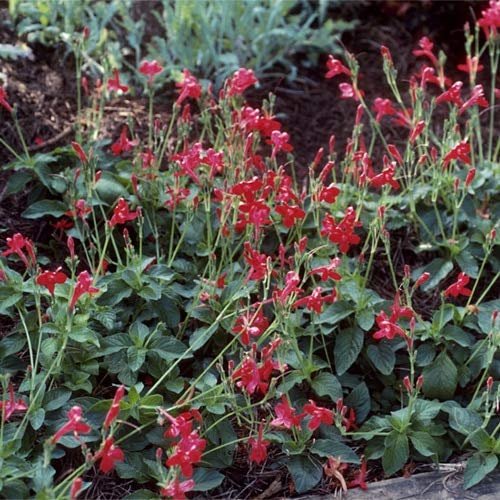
{"type": "Point", "coordinates": [360, 479]}
{"type": "Point", "coordinates": [490, 19]}
{"type": "Point", "coordinates": [335, 67]}
{"type": "Point", "coordinates": [258, 447]}
{"type": "Point", "coordinates": [451, 95]}
{"type": "Point", "coordinates": [81, 210]}
{"type": "Point", "coordinates": [182, 425]}
{"type": "Point", "coordinates": [114, 83]}
{"type": "Point", "coordinates": [250, 324]}
{"type": "Point", "coordinates": [240, 81]}
{"type": "Point", "coordinates": [109, 454]}
{"type": "Point", "coordinates": [347, 91]}
{"type": "Point", "coordinates": [416, 131]}
{"type": "Point", "coordinates": [388, 329]}
{"type": "Point", "coordinates": [476, 99]}
{"type": "Point", "coordinates": [329, 271]}
{"type": "Point", "coordinates": [3, 100]}
{"type": "Point", "coordinates": [383, 107]}
{"type": "Point", "coordinates": [189, 87]}
{"type": "Point", "coordinates": [74, 424]}
{"type": "Point", "coordinates": [425, 50]}
{"type": "Point", "coordinates": [79, 152]}
{"type": "Point", "coordinates": [17, 244]}
{"type": "Point", "coordinates": [460, 152]}
{"type": "Point", "coordinates": [114, 409]}
{"type": "Point", "coordinates": [423, 278]}
{"type": "Point", "coordinates": [187, 452]}
{"type": "Point", "coordinates": [76, 487]}
{"type": "Point", "coordinates": [292, 279]}
{"type": "Point", "coordinates": [471, 66]}
{"type": "Point", "coordinates": [176, 490]}
{"type": "Point", "coordinates": [342, 233]}
{"type": "Point", "coordinates": [257, 262]}
{"type": "Point", "coordinates": [289, 214]}
{"type": "Point", "coordinates": [123, 144]}
{"type": "Point", "coordinates": [315, 301]}
{"type": "Point", "coordinates": [459, 287]}
{"type": "Point", "coordinates": [319, 415]}
{"type": "Point", "coordinates": [10, 406]}
{"type": "Point", "coordinates": [150, 69]}
{"type": "Point", "coordinates": [122, 213]}
{"type": "Point", "coordinates": [49, 279]}
{"type": "Point", "coordinates": [329, 193]}
{"type": "Point", "coordinates": [279, 141]}
{"type": "Point", "coordinates": [83, 285]}
{"type": "Point", "coordinates": [285, 415]}
{"type": "Point", "coordinates": [386, 177]}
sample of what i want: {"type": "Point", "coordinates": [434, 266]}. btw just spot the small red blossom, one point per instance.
{"type": "Point", "coordinates": [383, 107]}
{"type": "Point", "coordinates": [289, 214]}
{"type": "Point", "coordinates": [416, 131]}
{"type": "Point", "coordinates": [109, 454]}
{"type": "Point", "coordinates": [319, 415]}
{"type": "Point", "coordinates": [74, 425]}
{"type": "Point", "coordinates": [335, 67]}
{"type": "Point", "coordinates": [451, 95]}
{"type": "Point", "coordinates": [49, 279]}
{"type": "Point", "coordinates": [285, 415]}
{"type": "Point", "coordinates": [471, 66]}
{"type": "Point", "coordinates": [490, 19]}
{"type": "Point", "coordinates": [11, 405]}
{"type": "Point", "coordinates": [123, 144]}
{"type": "Point", "coordinates": [258, 447]}
{"type": "Point", "coordinates": [360, 480]}
{"type": "Point", "coordinates": [122, 213]}
{"type": "Point", "coordinates": [470, 177]}
{"type": "Point", "coordinates": [150, 69]}
{"type": "Point", "coordinates": [459, 287]}
{"type": "Point", "coordinates": [476, 99]}
{"type": "Point", "coordinates": [189, 87]}
{"type": "Point", "coordinates": [386, 177]}
{"type": "Point", "coordinates": [279, 141]}
{"type": "Point", "coordinates": [241, 80]}
{"type": "Point", "coordinates": [187, 452]}
{"type": "Point", "coordinates": [83, 286]}
{"type": "Point", "coordinates": [81, 210]}
{"type": "Point", "coordinates": [76, 488]}
{"type": "Point", "coordinates": [114, 409]}
{"type": "Point", "coordinates": [18, 245]}
{"type": "Point", "coordinates": [342, 233]}
{"type": "Point", "coordinates": [3, 100]}
{"type": "Point", "coordinates": [329, 271]}
{"type": "Point", "coordinates": [423, 278]}
{"type": "Point", "coordinates": [114, 83]}
{"type": "Point", "coordinates": [328, 194]}
{"type": "Point", "coordinates": [347, 91]}
{"type": "Point", "coordinates": [425, 50]}
{"type": "Point", "coordinates": [258, 262]}
{"type": "Point", "coordinates": [79, 152]}
{"type": "Point", "coordinates": [388, 329]}
{"type": "Point", "coordinates": [176, 490]}
{"type": "Point", "coordinates": [250, 324]}
{"type": "Point", "coordinates": [315, 301]}
{"type": "Point", "coordinates": [460, 152]}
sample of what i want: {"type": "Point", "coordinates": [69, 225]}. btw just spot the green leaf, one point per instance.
{"type": "Point", "coordinates": [56, 398]}
{"type": "Point", "coordinates": [365, 319]}
{"type": "Point", "coordinates": [359, 399]}
{"type": "Point", "coordinates": [468, 264]}
{"type": "Point", "coordinates": [201, 336]}
{"type": "Point", "coordinates": [334, 448]}
{"type": "Point", "coordinates": [482, 441]}
{"type": "Point", "coordinates": [348, 345]}
{"type": "Point", "coordinates": [45, 207]}
{"type": "Point", "coordinates": [396, 452]}
{"type": "Point", "coordinates": [306, 473]}
{"type": "Point", "coordinates": [326, 384]}
{"type": "Point", "coordinates": [291, 379]}
{"type": "Point", "coordinates": [383, 357]}
{"type": "Point", "coordinates": [37, 418]}
{"type": "Point", "coordinates": [169, 348]}
{"type": "Point", "coordinates": [336, 312]}
{"type": "Point", "coordinates": [110, 189]}
{"type": "Point", "coordinates": [426, 411]}
{"type": "Point", "coordinates": [440, 378]}
{"type": "Point", "coordinates": [206, 479]}
{"type": "Point", "coordinates": [135, 357]}
{"type": "Point", "coordinates": [423, 443]}
{"type": "Point", "coordinates": [438, 269]}
{"type": "Point", "coordinates": [456, 334]}
{"type": "Point", "coordinates": [463, 420]}
{"type": "Point", "coordinates": [478, 467]}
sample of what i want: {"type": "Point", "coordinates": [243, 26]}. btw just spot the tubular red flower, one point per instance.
{"type": "Point", "coordinates": [258, 447]}
{"type": "Point", "coordinates": [3, 100]}
{"type": "Point", "coordinates": [189, 87]}
{"type": "Point", "coordinates": [11, 405]}
{"type": "Point", "coordinates": [240, 81]}
{"type": "Point", "coordinates": [459, 287]}
{"type": "Point", "coordinates": [319, 415]}
{"type": "Point", "coordinates": [74, 425]}
{"type": "Point", "coordinates": [83, 286]}
{"type": "Point", "coordinates": [49, 279]}
{"type": "Point", "coordinates": [108, 455]}
{"type": "Point", "coordinates": [114, 409]}
{"type": "Point", "coordinates": [335, 67]}
{"type": "Point", "coordinates": [114, 83]}
{"type": "Point", "coordinates": [150, 69]}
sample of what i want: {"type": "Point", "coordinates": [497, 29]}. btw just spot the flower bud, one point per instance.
{"type": "Point", "coordinates": [331, 144]}
{"type": "Point", "coordinates": [489, 383]}
{"type": "Point", "coordinates": [424, 277]}
{"type": "Point", "coordinates": [420, 382]}
{"type": "Point", "coordinates": [407, 384]}
{"type": "Point", "coordinates": [76, 487]}
{"type": "Point", "coordinates": [470, 177]}
{"type": "Point", "coordinates": [407, 271]}
{"type": "Point", "coordinates": [71, 247]}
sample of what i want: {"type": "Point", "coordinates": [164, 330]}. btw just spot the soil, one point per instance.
{"type": "Point", "coordinates": [43, 88]}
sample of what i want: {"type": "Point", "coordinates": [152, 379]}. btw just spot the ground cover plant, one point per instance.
{"type": "Point", "coordinates": [200, 309]}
